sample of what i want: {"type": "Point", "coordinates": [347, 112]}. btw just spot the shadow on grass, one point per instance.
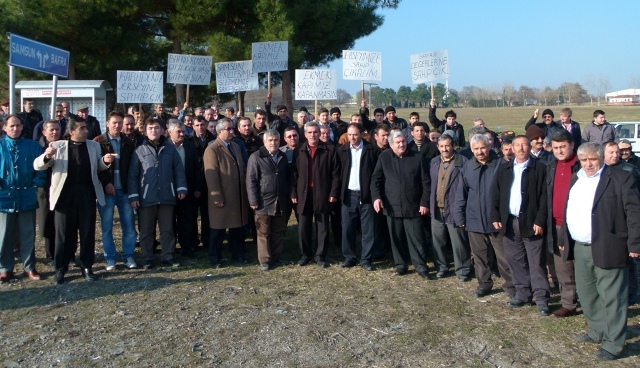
{"type": "Point", "coordinates": [76, 289]}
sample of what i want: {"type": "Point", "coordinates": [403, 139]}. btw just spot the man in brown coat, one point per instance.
{"type": "Point", "coordinates": [225, 174]}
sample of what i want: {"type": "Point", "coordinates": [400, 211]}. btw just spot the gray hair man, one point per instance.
{"type": "Point", "coordinates": [400, 186]}
{"type": "Point", "coordinates": [269, 181]}
{"type": "Point", "coordinates": [600, 248]}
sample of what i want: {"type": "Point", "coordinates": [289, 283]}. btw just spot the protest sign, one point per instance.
{"type": "Point", "coordinates": [189, 69]}
{"type": "Point", "coordinates": [361, 65]}
{"type": "Point", "coordinates": [139, 87]}
{"type": "Point", "coordinates": [270, 56]}
{"type": "Point", "coordinates": [316, 84]}
{"type": "Point", "coordinates": [429, 66]}
{"type": "Point", "coordinates": [236, 76]}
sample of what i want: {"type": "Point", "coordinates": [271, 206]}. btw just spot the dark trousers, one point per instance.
{"type": "Point", "coordinates": [202, 206]}
{"type": "Point", "coordinates": [186, 223]}
{"type": "Point", "coordinates": [382, 240]}
{"type": "Point", "coordinates": [305, 231]}
{"type": "Point", "coordinates": [270, 237]}
{"type": "Point", "coordinates": [565, 273]}
{"type": "Point", "coordinates": [355, 213]}
{"type": "Point", "coordinates": [235, 241]}
{"type": "Point", "coordinates": [408, 242]}
{"type": "Point", "coordinates": [46, 226]}
{"type": "Point", "coordinates": [335, 218]}
{"type": "Point", "coordinates": [528, 264]}
{"type": "Point", "coordinates": [75, 215]}
{"type": "Point", "coordinates": [163, 216]}
{"type": "Point", "coordinates": [482, 248]}
{"type": "Point", "coordinates": [440, 232]}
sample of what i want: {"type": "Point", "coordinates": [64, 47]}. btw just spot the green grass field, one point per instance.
{"type": "Point", "coordinates": [514, 118]}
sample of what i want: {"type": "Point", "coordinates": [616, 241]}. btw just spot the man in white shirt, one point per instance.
{"type": "Point", "coordinates": [602, 230]}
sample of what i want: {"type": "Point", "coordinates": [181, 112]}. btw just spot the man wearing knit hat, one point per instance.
{"type": "Point", "coordinates": [449, 123]}
{"type": "Point", "coordinates": [340, 124]}
{"type": "Point", "coordinates": [393, 121]}
{"type": "Point", "coordinates": [547, 123]}
{"type": "Point", "coordinates": [281, 121]}
{"type": "Point", "coordinates": [536, 136]}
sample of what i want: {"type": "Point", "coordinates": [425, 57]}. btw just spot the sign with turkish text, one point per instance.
{"type": "Point", "coordinates": [429, 66]}
{"type": "Point", "coordinates": [139, 87]}
{"type": "Point", "coordinates": [236, 76]}
{"type": "Point", "coordinates": [193, 70]}
{"type": "Point", "coordinates": [361, 65]}
{"type": "Point", "coordinates": [270, 56]}
{"type": "Point", "coordinates": [316, 84]}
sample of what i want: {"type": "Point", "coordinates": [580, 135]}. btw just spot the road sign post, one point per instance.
{"type": "Point", "coordinates": [33, 55]}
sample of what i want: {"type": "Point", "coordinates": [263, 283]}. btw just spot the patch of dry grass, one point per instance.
{"type": "Point", "coordinates": [291, 316]}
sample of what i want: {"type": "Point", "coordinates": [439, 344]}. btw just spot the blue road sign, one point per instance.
{"type": "Point", "coordinates": [33, 55]}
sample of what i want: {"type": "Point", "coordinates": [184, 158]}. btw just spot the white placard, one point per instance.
{"type": "Point", "coordinates": [236, 76]}
{"type": "Point", "coordinates": [316, 84]}
{"type": "Point", "coordinates": [361, 65]}
{"type": "Point", "coordinates": [429, 66]}
{"type": "Point", "coordinates": [194, 70]}
{"type": "Point", "coordinates": [270, 56]}
{"type": "Point", "coordinates": [139, 87]}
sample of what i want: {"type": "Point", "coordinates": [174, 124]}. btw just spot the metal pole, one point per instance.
{"type": "Point", "coordinates": [12, 90]}
{"type": "Point", "coordinates": [52, 111]}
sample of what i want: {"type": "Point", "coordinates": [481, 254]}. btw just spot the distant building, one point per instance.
{"type": "Point", "coordinates": [624, 97]}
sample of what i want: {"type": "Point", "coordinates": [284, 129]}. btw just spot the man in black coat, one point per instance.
{"type": "Point", "coordinates": [421, 142]}
{"type": "Point", "coordinates": [358, 159]}
{"type": "Point", "coordinates": [449, 123]}
{"type": "Point", "coordinates": [317, 187]}
{"type": "Point", "coordinates": [400, 185]}
{"type": "Point", "coordinates": [602, 229]}
{"type": "Point", "coordinates": [201, 137]}
{"type": "Point", "coordinates": [186, 221]}
{"type": "Point", "coordinates": [519, 210]}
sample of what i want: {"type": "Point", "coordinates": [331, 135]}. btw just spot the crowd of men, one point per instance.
{"type": "Point", "coordinates": [555, 205]}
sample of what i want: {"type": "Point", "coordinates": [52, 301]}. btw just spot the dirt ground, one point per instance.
{"type": "Point", "coordinates": [291, 316]}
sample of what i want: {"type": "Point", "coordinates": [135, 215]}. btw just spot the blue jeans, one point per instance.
{"type": "Point", "coordinates": [127, 222]}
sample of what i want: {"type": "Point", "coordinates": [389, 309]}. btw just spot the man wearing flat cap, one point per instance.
{"type": "Point", "coordinates": [93, 125]}
{"type": "Point", "coordinates": [281, 121]}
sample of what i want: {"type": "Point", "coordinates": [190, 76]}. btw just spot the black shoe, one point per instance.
{"type": "Point", "coordinates": [441, 274]}
{"type": "Point", "coordinates": [323, 264]}
{"type": "Point", "coordinates": [304, 261]}
{"type": "Point", "coordinates": [170, 263]}
{"type": "Point", "coordinates": [148, 265]}
{"type": "Point", "coordinates": [88, 274]}
{"type": "Point", "coordinates": [515, 303]}
{"type": "Point", "coordinates": [425, 275]}
{"type": "Point", "coordinates": [603, 354]}
{"type": "Point", "coordinates": [583, 337]}
{"type": "Point", "coordinates": [58, 279]}
{"type": "Point", "coordinates": [367, 266]}
{"type": "Point", "coordinates": [480, 292]}
{"type": "Point", "coordinates": [400, 270]}
{"type": "Point", "coordinates": [543, 310]}
{"type": "Point", "coordinates": [348, 263]}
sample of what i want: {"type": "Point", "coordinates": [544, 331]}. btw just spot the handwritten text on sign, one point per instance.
{"type": "Point", "coordinates": [316, 84]}
{"type": "Point", "coordinates": [236, 76]}
{"type": "Point", "coordinates": [189, 69]}
{"type": "Point", "coordinates": [361, 65]}
{"type": "Point", "coordinates": [140, 87]}
{"type": "Point", "coordinates": [429, 66]}
{"type": "Point", "coordinates": [270, 56]}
